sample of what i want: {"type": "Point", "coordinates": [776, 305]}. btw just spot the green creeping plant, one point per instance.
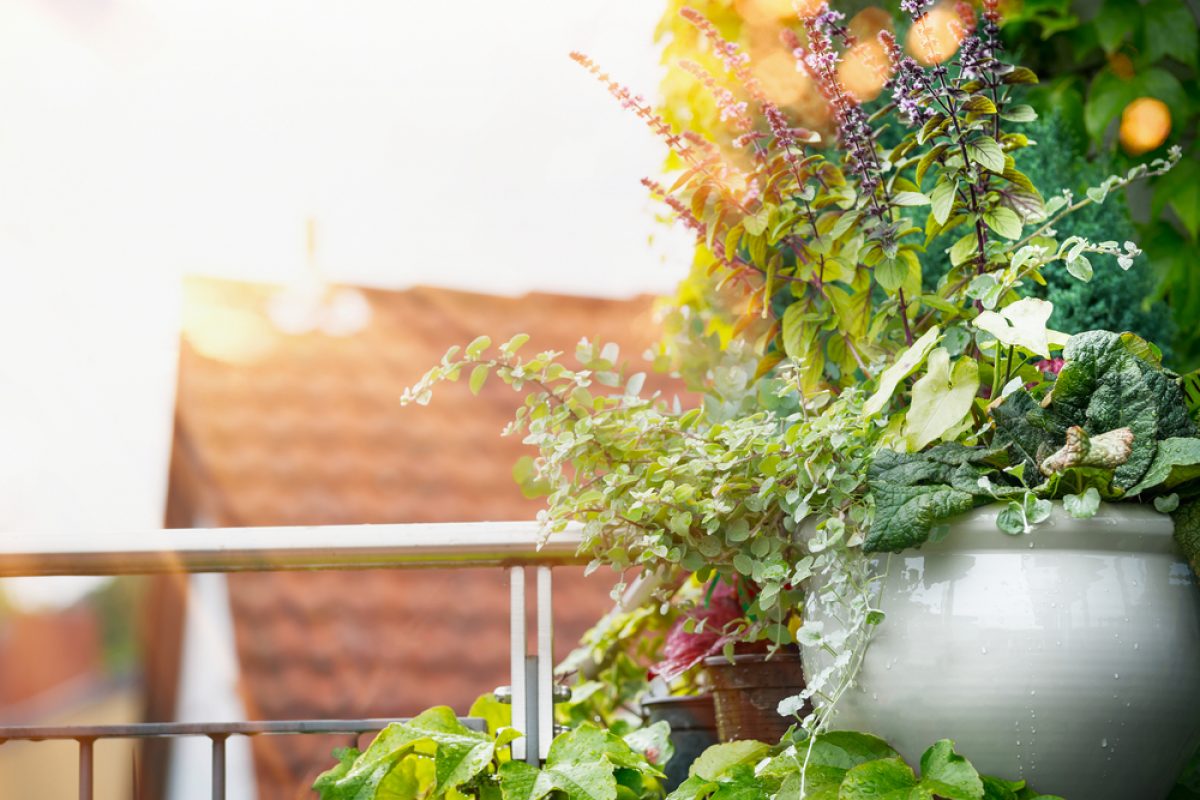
{"type": "Point", "coordinates": [840, 765]}
{"type": "Point", "coordinates": [435, 756]}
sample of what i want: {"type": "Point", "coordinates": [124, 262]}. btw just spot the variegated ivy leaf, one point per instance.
{"type": "Point", "coordinates": [941, 398]}
{"type": "Point", "coordinates": [1022, 324]}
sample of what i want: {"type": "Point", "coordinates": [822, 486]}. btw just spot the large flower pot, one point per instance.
{"type": "Point", "coordinates": [1069, 656]}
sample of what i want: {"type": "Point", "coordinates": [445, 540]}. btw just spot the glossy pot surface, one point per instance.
{"type": "Point", "coordinates": [1068, 656]}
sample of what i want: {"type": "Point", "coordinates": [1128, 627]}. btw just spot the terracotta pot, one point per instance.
{"type": "Point", "coordinates": [693, 730]}
{"type": "Point", "coordinates": [1068, 656]}
{"type": "Point", "coordinates": [748, 690]}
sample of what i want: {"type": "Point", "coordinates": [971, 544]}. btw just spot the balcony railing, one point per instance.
{"type": "Point", "coordinates": [513, 546]}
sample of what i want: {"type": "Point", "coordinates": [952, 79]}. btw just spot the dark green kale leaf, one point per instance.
{"type": "Point", "coordinates": [1176, 461]}
{"type": "Point", "coordinates": [906, 515]}
{"type": "Point", "coordinates": [913, 492]}
{"type": "Point", "coordinates": [1109, 381]}
{"type": "Point", "coordinates": [1021, 427]}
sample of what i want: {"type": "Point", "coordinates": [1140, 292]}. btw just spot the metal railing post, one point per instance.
{"type": "Point", "coordinates": [218, 767]}
{"type": "Point", "coordinates": [545, 661]}
{"type": "Point", "coordinates": [516, 632]}
{"type": "Point", "coordinates": [85, 768]}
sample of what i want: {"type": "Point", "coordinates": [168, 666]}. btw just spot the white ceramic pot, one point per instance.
{"type": "Point", "coordinates": [1069, 656]}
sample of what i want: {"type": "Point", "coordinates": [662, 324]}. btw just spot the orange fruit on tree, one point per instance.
{"type": "Point", "coordinates": [1145, 125]}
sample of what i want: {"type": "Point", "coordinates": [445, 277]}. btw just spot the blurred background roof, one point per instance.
{"type": "Point", "coordinates": [304, 428]}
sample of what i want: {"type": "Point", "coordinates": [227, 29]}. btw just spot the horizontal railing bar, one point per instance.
{"type": "Point", "coordinates": [409, 545]}
{"type": "Point", "coordinates": [154, 730]}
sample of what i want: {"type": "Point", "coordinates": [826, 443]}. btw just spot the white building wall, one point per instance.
{"type": "Point", "coordinates": [208, 692]}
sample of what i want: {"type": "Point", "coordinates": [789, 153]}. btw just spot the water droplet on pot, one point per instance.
{"type": "Point", "coordinates": [1135, 645]}
{"type": "Point", "coordinates": [983, 650]}
{"type": "Point", "coordinates": [1116, 676]}
{"type": "Point", "coordinates": [1104, 742]}
{"type": "Point", "coordinates": [1032, 692]}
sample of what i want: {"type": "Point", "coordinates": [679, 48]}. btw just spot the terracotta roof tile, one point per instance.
{"type": "Point", "coordinates": [305, 430]}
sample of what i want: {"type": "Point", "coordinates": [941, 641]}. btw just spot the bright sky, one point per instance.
{"type": "Point", "coordinates": [442, 142]}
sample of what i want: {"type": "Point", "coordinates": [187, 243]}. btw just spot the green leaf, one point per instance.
{"type": "Point", "coordinates": [496, 715]}
{"type": "Point", "coordinates": [986, 152]}
{"type": "Point", "coordinates": [326, 782]}
{"type": "Point", "coordinates": [479, 376]}
{"type": "Point", "coordinates": [461, 754]}
{"type": "Point", "coordinates": [1019, 113]}
{"type": "Point", "coordinates": [412, 777]}
{"type": "Point", "coordinates": [1180, 189]}
{"type": "Point", "coordinates": [1012, 519]}
{"type": "Point", "coordinates": [519, 781]}
{"type": "Point", "coordinates": [1080, 268]}
{"type": "Point", "coordinates": [997, 789]}
{"type": "Point", "coordinates": [477, 346]}
{"type": "Point", "coordinates": [947, 774]}
{"type": "Point", "coordinates": [979, 104]}
{"type": "Point", "coordinates": [1037, 509]}
{"type": "Point", "coordinates": [940, 398]}
{"type": "Point", "coordinates": [694, 788]}
{"type": "Point", "coordinates": [1190, 386]}
{"type": "Point", "coordinates": [883, 779]}
{"type": "Point", "coordinates": [580, 764]}
{"type": "Point", "coordinates": [1170, 30]}
{"type": "Point", "coordinates": [1082, 506]}
{"type": "Point", "coordinates": [1027, 443]}
{"type": "Point", "coordinates": [909, 199]}
{"type": "Point", "coordinates": [1107, 96]}
{"type": "Point", "coordinates": [832, 755]}
{"type": "Point", "coordinates": [1020, 75]}
{"type": "Point", "coordinates": [927, 160]}
{"type": "Point", "coordinates": [1021, 324]}
{"type": "Point", "coordinates": [905, 515]}
{"type": "Point", "coordinates": [797, 331]}
{"type": "Point", "coordinates": [653, 742]}
{"type": "Point", "coordinates": [891, 273]}
{"type": "Point", "coordinates": [1175, 460]}
{"type": "Point", "coordinates": [965, 249]}
{"type": "Point", "coordinates": [1106, 385]}
{"type": "Point", "coordinates": [942, 199]}
{"type": "Point", "coordinates": [1004, 221]}
{"type": "Point", "coordinates": [757, 223]}
{"type": "Point", "coordinates": [1116, 20]}
{"type": "Point", "coordinates": [720, 758]}
{"type": "Point", "coordinates": [1165, 504]}
{"type": "Point", "coordinates": [908, 362]}
{"type": "Point", "coordinates": [514, 344]}
{"type": "Point", "coordinates": [1187, 532]}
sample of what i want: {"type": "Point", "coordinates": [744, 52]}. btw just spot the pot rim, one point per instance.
{"type": "Point", "coordinates": [1122, 527]}
{"type": "Point", "coordinates": [751, 658]}
{"type": "Point", "coordinates": [677, 699]}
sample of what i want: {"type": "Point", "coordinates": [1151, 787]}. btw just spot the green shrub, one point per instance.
{"type": "Point", "coordinates": [1112, 299]}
